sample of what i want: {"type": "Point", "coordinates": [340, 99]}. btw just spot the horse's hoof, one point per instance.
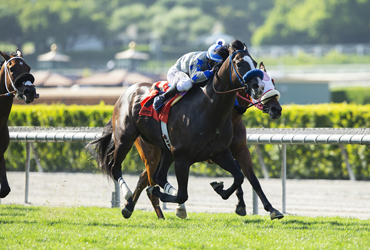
{"type": "Point", "coordinates": [126, 213]}
{"type": "Point", "coordinates": [217, 186]}
{"type": "Point", "coordinates": [240, 211]}
{"type": "Point", "coordinates": [181, 213]}
{"type": "Point", "coordinates": [275, 214]}
{"type": "Point", "coordinates": [4, 192]}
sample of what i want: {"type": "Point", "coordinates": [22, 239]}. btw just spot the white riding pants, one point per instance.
{"type": "Point", "coordinates": [181, 79]}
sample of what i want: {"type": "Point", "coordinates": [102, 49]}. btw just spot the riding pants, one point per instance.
{"type": "Point", "coordinates": [180, 79]}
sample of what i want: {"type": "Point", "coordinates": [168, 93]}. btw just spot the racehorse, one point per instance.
{"type": "Point", "coordinates": [150, 155]}
{"type": "Point", "coordinates": [15, 79]}
{"type": "Point", "coordinates": [199, 127]}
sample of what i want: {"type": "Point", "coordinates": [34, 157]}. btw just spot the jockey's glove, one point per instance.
{"type": "Point", "coordinates": [240, 109]}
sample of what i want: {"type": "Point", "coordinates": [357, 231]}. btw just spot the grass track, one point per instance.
{"type": "Point", "coordinates": [28, 227]}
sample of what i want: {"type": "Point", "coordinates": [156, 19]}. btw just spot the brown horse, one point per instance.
{"type": "Point", "coordinates": [150, 155]}
{"type": "Point", "coordinates": [199, 127]}
{"type": "Point", "coordinates": [15, 79]}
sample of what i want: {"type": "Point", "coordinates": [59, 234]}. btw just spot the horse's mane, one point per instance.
{"type": "Point", "coordinates": [224, 53]}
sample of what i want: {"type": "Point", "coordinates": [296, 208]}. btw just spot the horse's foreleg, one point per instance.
{"type": "Point", "coordinates": [240, 207]}
{"type": "Point", "coordinates": [160, 174]}
{"type": "Point", "coordinates": [243, 155]}
{"type": "Point", "coordinates": [226, 161]}
{"type": "Point", "coordinates": [182, 175]}
{"type": "Point", "coordinates": [5, 189]}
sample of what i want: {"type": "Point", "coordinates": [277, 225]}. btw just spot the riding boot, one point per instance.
{"type": "Point", "coordinates": [161, 99]}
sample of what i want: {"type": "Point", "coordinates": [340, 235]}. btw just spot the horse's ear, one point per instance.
{"type": "Point", "coordinates": [19, 53]}
{"type": "Point", "coordinates": [238, 45]}
{"type": "Point", "coordinates": [5, 56]}
{"type": "Point", "coordinates": [262, 67]}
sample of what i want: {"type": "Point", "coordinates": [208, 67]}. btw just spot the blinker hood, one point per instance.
{"type": "Point", "coordinates": [253, 73]}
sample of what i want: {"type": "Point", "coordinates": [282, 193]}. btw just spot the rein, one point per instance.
{"type": "Point", "coordinates": [237, 73]}
{"type": "Point", "coordinates": [254, 103]}
{"type": "Point", "coordinates": [9, 94]}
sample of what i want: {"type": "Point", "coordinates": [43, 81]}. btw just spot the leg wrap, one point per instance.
{"type": "Point", "coordinates": [170, 189]}
{"type": "Point", "coordinates": [126, 191]}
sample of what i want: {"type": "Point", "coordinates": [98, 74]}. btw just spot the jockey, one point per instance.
{"type": "Point", "coordinates": [191, 68]}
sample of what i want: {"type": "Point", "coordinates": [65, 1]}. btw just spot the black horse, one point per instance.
{"type": "Point", "coordinates": [199, 126]}
{"type": "Point", "coordinates": [15, 79]}
{"type": "Point", "coordinates": [150, 155]}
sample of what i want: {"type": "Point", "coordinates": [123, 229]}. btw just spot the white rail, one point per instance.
{"type": "Point", "coordinates": [255, 136]}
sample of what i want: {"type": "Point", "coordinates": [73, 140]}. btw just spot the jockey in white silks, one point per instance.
{"type": "Point", "coordinates": [191, 68]}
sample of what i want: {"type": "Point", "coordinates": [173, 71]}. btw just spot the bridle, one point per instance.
{"type": "Point", "coordinates": [257, 104]}
{"type": "Point", "coordinates": [7, 73]}
{"type": "Point", "coordinates": [242, 82]}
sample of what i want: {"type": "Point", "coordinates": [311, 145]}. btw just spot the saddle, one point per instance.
{"type": "Point", "coordinates": [147, 104]}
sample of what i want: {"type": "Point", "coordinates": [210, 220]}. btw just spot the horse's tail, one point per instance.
{"type": "Point", "coordinates": [104, 147]}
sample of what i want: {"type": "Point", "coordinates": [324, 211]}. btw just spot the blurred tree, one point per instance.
{"type": "Point", "coordinates": [45, 22]}
{"type": "Point", "coordinates": [9, 27]}
{"type": "Point", "coordinates": [316, 21]}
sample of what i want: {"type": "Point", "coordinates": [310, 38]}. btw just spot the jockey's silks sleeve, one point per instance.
{"type": "Point", "coordinates": [195, 64]}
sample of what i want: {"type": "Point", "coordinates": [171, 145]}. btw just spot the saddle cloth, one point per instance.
{"type": "Point", "coordinates": [147, 104]}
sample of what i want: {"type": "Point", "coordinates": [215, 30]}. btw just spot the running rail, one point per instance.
{"type": "Point", "coordinates": [254, 136]}
{"type": "Point", "coordinates": [282, 137]}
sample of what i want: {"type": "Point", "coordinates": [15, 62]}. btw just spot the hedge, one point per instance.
{"type": "Point", "coordinates": [358, 95]}
{"type": "Point", "coordinates": [303, 161]}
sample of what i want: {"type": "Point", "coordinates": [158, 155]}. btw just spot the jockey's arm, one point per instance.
{"type": "Point", "coordinates": [199, 70]}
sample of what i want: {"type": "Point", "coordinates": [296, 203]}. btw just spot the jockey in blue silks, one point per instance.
{"type": "Point", "coordinates": [191, 68]}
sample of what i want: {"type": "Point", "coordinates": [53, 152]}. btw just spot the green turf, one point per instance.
{"type": "Point", "coordinates": [28, 227]}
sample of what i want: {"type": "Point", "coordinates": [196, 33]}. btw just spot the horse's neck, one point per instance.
{"type": "Point", "coordinates": [6, 106]}
{"type": "Point", "coordinates": [221, 104]}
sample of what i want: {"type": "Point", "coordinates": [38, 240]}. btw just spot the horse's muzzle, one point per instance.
{"type": "Point", "coordinates": [28, 93]}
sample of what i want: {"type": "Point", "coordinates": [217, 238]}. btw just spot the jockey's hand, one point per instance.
{"type": "Point", "coordinates": [240, 109]}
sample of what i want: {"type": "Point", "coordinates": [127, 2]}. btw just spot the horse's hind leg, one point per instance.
{"type": "Point", "coordinates": [121, 150]}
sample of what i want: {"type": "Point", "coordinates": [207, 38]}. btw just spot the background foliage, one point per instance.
{"type": "Point", "coordinates": [183, 22]}
{"type": "Point", "coordinates": [303, 161]}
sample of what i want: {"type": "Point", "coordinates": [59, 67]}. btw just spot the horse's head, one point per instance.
{"type": "Point", "coordinates": [17, 77]}
{"type": "Point", "coordinates": [271, 96]}
{"type": "Point", "coordinates": [244, 68]}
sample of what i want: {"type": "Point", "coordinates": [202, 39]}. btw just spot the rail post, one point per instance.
{"type": "Point", "coordinates": [255, 202]}
{"type": "Point", "coordinates": [28, 161]}
{"type": "Point", "coordinates": [116, 195]}
{"type": "Point", "coordinates": [283, 176]}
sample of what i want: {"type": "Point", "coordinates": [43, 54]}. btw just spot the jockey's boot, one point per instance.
{"type": "Point", "coordinates": [161, 99]}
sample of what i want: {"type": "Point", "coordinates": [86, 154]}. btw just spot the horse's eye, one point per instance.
{"type": "Point", "coordinates": [239, 64]}
{"type": "Point", "coordinates": [12, 69]}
